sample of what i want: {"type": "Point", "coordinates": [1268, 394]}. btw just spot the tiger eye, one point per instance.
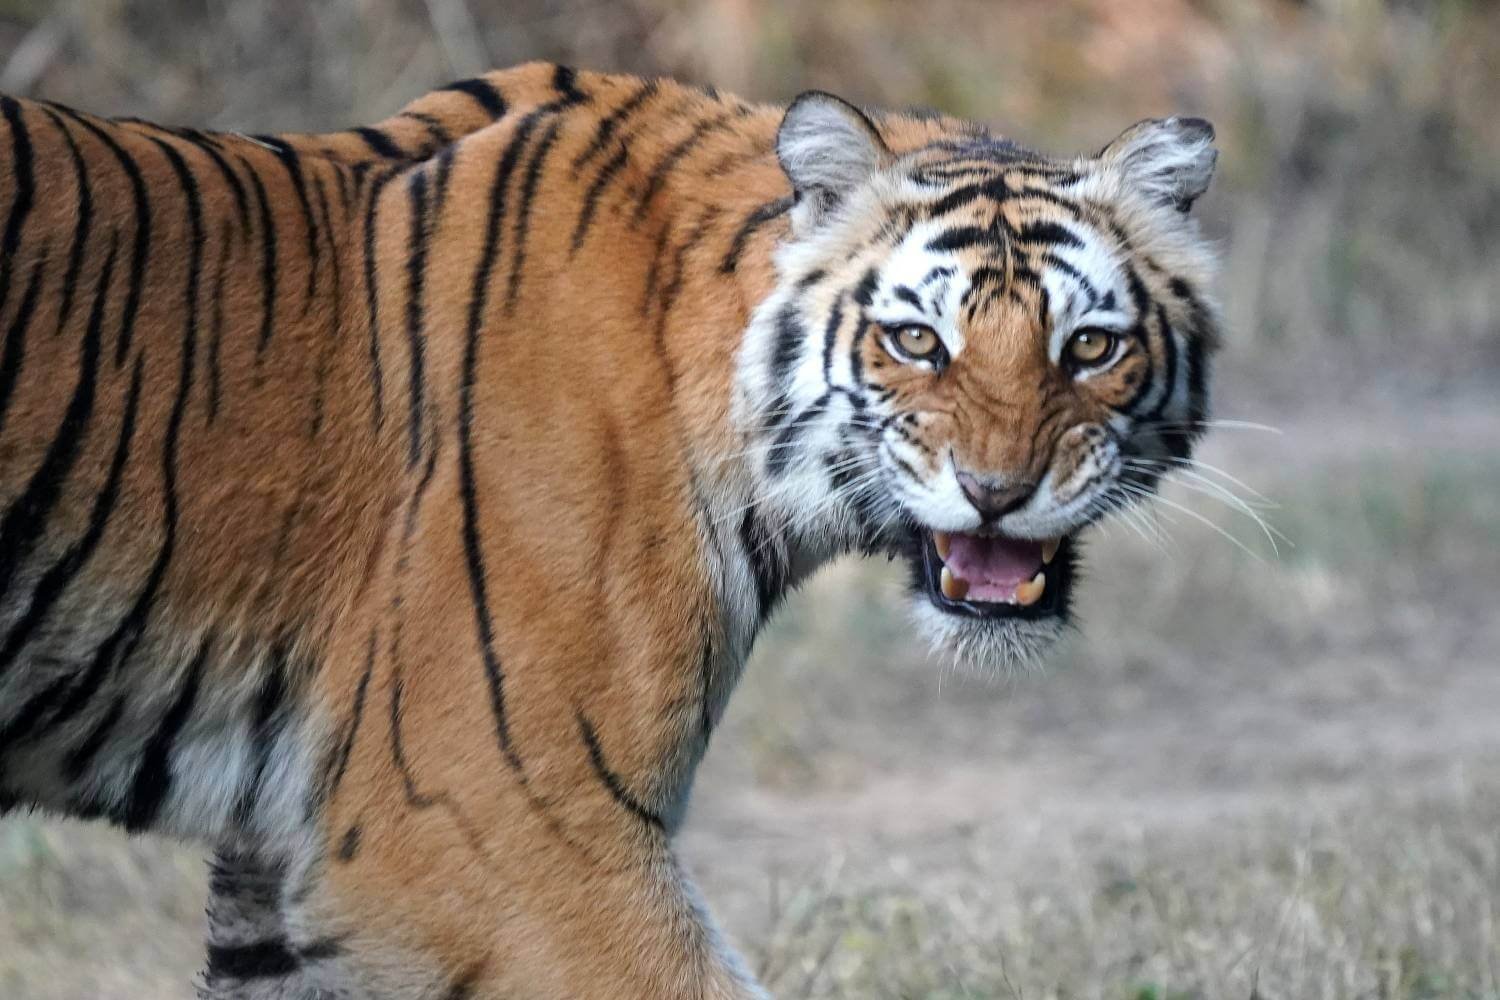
{"type": "Point", "coordinates": [1090, 347]}
{"type": "Point", "coordinates": [917, 341]}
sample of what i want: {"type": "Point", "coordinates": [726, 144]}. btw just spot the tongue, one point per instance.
{"type": "Point", "coordinates": [993, 566]}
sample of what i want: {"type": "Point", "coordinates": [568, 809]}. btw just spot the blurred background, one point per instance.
{"type": "Point", "coordinates": [1268, 766]}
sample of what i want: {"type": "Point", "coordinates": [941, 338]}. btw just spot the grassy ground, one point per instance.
{"type": "Point", "coordinates": [1270, 774]}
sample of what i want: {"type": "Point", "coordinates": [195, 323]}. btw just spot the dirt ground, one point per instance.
{"type": "Point", "coordinates": [1269, 773]}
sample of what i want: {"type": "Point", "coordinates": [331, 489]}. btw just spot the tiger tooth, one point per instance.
{"type": "Point", "coordinates": [942, 541]}
{"type": "Point", "coordinates": [1030, 592]}
{"type": "Point", "coordinates": [1049, 550]}
{"type": "Point", "coordinates": [955, 588]}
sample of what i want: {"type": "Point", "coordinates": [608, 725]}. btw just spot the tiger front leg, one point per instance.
{"type": "Point", "coordinates": [406, 906]}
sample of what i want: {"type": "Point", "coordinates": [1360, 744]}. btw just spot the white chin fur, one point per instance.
{"type": "Point", "coordinates": [983, 646]}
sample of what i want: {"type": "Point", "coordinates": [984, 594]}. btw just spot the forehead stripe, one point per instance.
{"type": "Point", "coordinates": [963, 238]}
{"type": "Point", "coordinates": [1050, 233]}
{"type": "Point", "coordinates": [1055, 262]}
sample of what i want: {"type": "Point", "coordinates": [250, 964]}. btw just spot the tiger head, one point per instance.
{"type": "Point", "coordinates": [974, 352]}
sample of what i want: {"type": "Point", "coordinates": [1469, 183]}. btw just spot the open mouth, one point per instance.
{"type": "Point", "coordinates": [992, 576]}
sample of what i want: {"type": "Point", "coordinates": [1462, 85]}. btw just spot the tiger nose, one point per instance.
{"type": "Point", "coordinates": [994, 498]}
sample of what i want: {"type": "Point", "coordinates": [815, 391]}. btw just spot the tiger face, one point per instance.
{"type": "Point", "coordinates": [973, 353]}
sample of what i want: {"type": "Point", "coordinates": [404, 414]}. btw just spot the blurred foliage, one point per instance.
{"type": "Point", "coordinates": [1360, 187]}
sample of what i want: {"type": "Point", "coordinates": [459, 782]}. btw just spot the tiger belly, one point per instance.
{"type": "Point", "coordinates": [201, 738]}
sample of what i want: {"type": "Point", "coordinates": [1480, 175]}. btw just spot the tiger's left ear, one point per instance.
{"type": "Point", "coordinates": [1170, 160]}
{"type": "Point", "coordinates": [827, 148]}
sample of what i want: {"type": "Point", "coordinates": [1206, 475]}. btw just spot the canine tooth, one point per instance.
{"type": "Point", "coordinates": [1049, 550]}
{"type": "Point", "coordinates": [1030, 592]}
{"type": "Point", "coordinates": [942, 541]}
{"type": "Point", "coordinates": [955, 588]}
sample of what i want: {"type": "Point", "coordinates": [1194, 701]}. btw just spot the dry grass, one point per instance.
{"type": "Point", "coordinates": [1249, 775]}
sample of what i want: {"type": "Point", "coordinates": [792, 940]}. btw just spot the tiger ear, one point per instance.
{"type": "Point", "coordinates": [827, 148]}
{"type": "Point", "coordinates": [1170, 160]}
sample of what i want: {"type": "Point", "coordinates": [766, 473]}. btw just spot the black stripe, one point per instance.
{"type": "Point", "coordinates": [341, 175]}
{"type": "Point", "coordinates": [1090, 292]}
{"type": "Point", "coordinates": [293, 164]}
{"type": "Point", "coordinates": [1169, 349]}
{"type": "Point", "coordinates": [780, 455]}
{"type": "Point", "coordinates": [216, 328]}
{"type": "Point", "coordinates": [1048, 232]}
{"type": "Point", "coordinates": [468, 488]}
{"type": "Point", "coordinates": [414, 796]}
{"type": "Point", "coordinates": [611, 123]}
{"type": "Point", "coordinates": [565, 82]}
{"type": "Point", "coordinates": [380, 144]}
{"type": "Point", "coordinates": [372, 294]}
{"type": "Point", "coordinates": [523, 211]}
{"type": "Point", "coordinates": [13, 355]}
{"type": "Point", "coordinates": [596, 190]}
{"type": "Point", "coordinates": [25, 523]}
{"type": "Point", "coordinates": [231, 180]}
{"type": "Point", "coordinates": [856, 362]}
{"type": "Point", "coordinates": [649, 299]}
{"type": "Point", "coordinates": [435, 131]}
{"type": "Point", "coordinates": [767, 564]}
{"type": "Point", "coordinates": [1197, 360]}
{"type": "Point", "coordinates": [463, 986]}
{"type": "Point", "coordinates": [762, 215]}
{"type": "Point", "coordinates": [440, 182]}
{"type": "Point", "coordinates": [356, 717]}
{"type": "Point", "coordinates": [611, 780]}
{"type": "Point", "coordinates": [266, 959]}
{"type": "Point", "coordinates": [993, 188]}
{"type": "Point", "coordinates": [153, 778]}
{"type": "Point", "coordinates": [830, 338]}
{"type": "Point", "coordinates": [486, 94]}
{"type": "Point", "coordinates": [81, 757]}
{"type": "Point", "coordinates": [964, 238]}
{"type": "Point", "coordinates": [31, 714]}
{"type": "Point", "coordinates": [674, 286]}
{"type": "Point", "coordinates": [908, 295]}
{"type": "Point", "coordinates": [790, 338]}
{"type": "Point", "coordinates": [664, 167]}
{"type": "Point", "coordinates": [264, 725]}
{"type": "Point", "coordinates": [24, 180]}
{"type": "Point", "coordinates": [981, 280]}
{"type": "Point", "coordinates": [349, 845]}
{"type": "Point", "coordinates": [416, 276]}
{"type": "Point", "coordinates": [336, 296]}
{"type": "Point", "coordinates": [81, 226]}
{"type": "Point", "coordinates": [54, 582]}
{"type": "Point", "coordinates": [268, 272]}
{"type": "Point", "coordinates": [141, 250]}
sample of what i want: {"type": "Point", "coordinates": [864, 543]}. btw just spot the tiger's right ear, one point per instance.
{"type": "Point", "coordinates": [827, 148]}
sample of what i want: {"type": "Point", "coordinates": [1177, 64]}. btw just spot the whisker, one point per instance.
{"type": "Point", "coordinates": [1232, 425]}
{"type": "Point", "coordinates": [1217, 491]}
{"type": "Point", "coordinates": [1196, 463]}
{"type": "Point", "coordinates": [1147, 495]}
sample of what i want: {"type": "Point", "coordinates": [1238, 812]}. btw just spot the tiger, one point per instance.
{"type": "Point", "coordinates": [392, 511]}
